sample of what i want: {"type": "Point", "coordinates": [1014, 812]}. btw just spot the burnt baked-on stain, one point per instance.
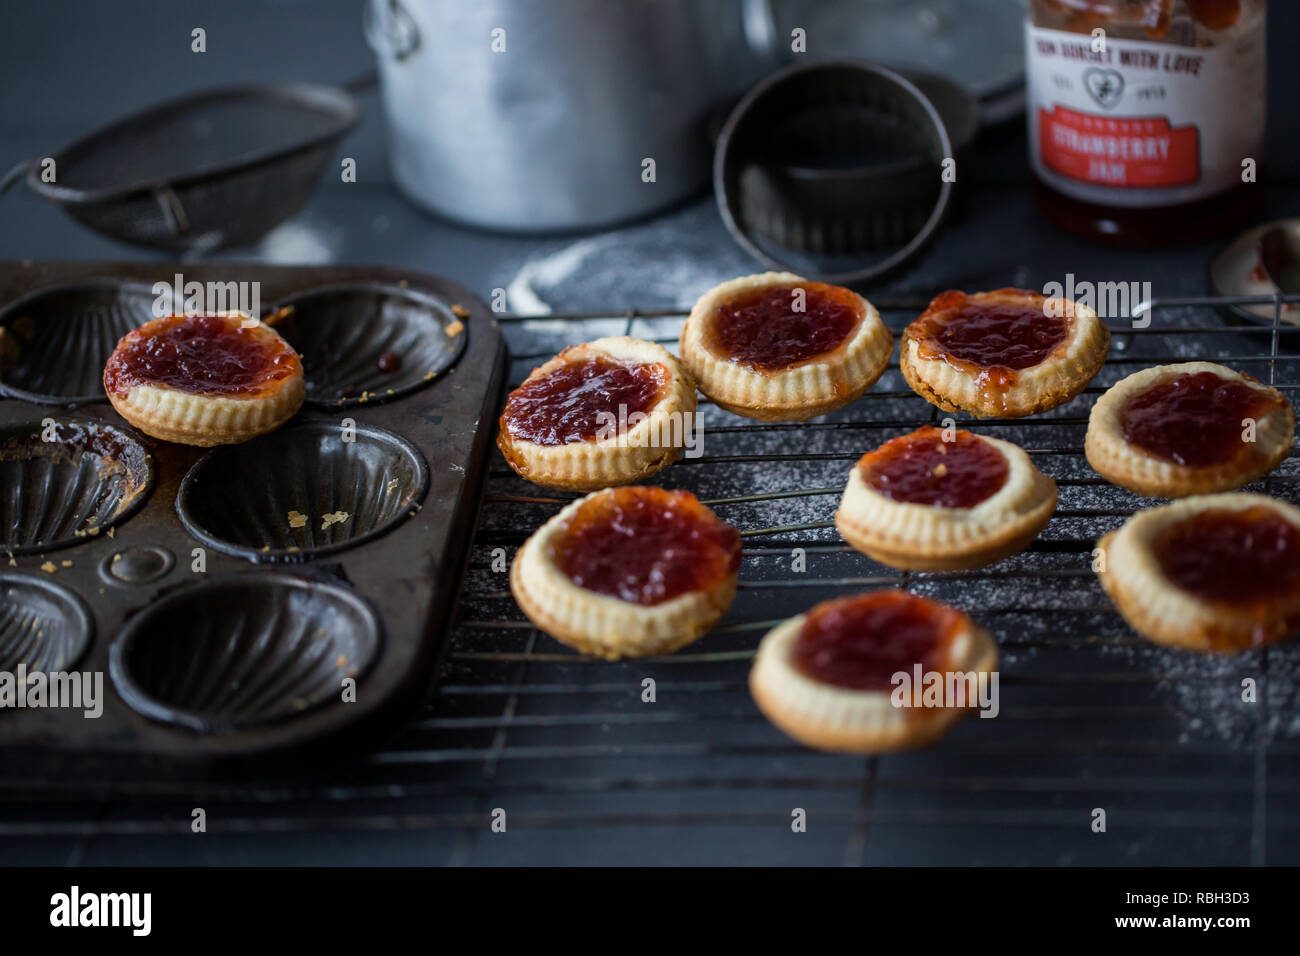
{"type": "Point", "coordinates": [67, 479]}
{"type": "Point", "coordinates": [243, 650]}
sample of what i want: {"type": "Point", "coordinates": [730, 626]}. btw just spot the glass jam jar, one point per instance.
{"type": "Point", "coordinates": [1146, 117]}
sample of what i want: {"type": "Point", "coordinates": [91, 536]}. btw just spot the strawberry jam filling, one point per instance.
{"type": "Point", "coordinates": [646, 545]}
{"type": "Point", "coordinates": [776, 327]}
{"type": "Point", "coordinates": [583, 400]}
{"type": "Point", "coordinates": [994, 340]}
{"type": "Point", "coordinates": [922, 468]}
{"type": "Point", "coordinates": [861, 642]}
{"type": "Point", "coordinates": [1247, 557]}
{"type": "Point", "coordinates": [1195, 419]}
{"type": "Point", "coordinates": [201, 354]}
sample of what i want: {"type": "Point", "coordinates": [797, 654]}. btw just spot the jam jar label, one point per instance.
{"type": "Point", "coordinates": [1144, 124]}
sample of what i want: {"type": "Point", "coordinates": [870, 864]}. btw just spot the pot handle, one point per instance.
{"type": "Point", "coordinates": [390, 29]}
{"type": "Point", "coordinates": [758, 24]}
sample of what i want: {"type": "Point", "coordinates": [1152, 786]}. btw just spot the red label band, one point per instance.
{"type": "Point", "coordinates": [1139, 152]}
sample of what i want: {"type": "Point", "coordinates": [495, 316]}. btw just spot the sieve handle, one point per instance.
{"type": "Point", "coordinates": [16, 174]}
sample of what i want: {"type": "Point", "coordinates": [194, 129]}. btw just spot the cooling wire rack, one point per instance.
{"type": "Point", "coordinates": [583, 768]}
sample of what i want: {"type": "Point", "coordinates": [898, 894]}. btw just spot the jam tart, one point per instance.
{"type": "Point", "coordinates": [1188, 429]}
{"type": "Point", "coordinates": [1002, 354]}
{"type": "Point", "coordinates": [944, 500]}
{"type": "Point", "coordinates": [778, 347]}
{"type": "Point", "coordinates": [604, 413]}
{"type": "Point", "coordinates": [210, 379]}
{"type": "Point", "coordinates": [830, 678]}
{"type": "Point", "coordinates": [628, 572]}
{"type": "Point", "coordinates": [1207, 573]}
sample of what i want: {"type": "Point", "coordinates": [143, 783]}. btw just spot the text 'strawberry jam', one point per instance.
{"type": "Point", "coordinates": [202, 354]}
{"type": "Point", "coordinates": [861, 642]}
{"type": "Point", "coordinates": [1146, 117]}
{"type": "Point", "coordinates": [776, 327]}
{"type": "Point", "coordinates": [646, 545]}
{"type": "Point", "coordinates": [574, 402]}
{"type": "Point", "coordinates": [922, 468]}
{"type": "Point", "coordinates": [1195, 420]}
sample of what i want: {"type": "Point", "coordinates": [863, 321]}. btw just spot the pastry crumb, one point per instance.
{"type": "Point", "coordinates": [49, 568]}
{"type": "Point", "coordinates": [455, 328]}
{"type": "Point", "coordinates": [297, 519]}
{"type": "Point", "coordinates": [337, 517]}
{"type": "Point", "coordinates": [278, 315]}
{"type": "Point", "coordinates": [460, 310]}
{"type": "Point", "coordinates": [940, 470]}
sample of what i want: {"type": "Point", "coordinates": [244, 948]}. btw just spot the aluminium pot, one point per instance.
{"type": "Point", "coordinates": [570, 114]}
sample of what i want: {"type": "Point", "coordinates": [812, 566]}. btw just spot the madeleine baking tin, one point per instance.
{"type": "Point", "coordinates": [223, 596]}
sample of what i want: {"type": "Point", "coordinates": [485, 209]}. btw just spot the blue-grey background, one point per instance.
{"type": "Point", "coordinates": [71, 65]}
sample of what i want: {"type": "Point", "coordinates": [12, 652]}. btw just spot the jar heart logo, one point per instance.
{"type": "Point", "coordinates": [1104, 86]}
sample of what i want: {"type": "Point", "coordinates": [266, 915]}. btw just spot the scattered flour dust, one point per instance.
{"type": "Point", "coordinates": [664, 263]}
{"type": "Point", "coordinates": [1207, 692]}
{"type": "Point", "coordinates": [303, 240]}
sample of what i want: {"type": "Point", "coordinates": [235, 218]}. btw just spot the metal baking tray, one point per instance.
{"type": "Point", "coordinates": [250, 609]}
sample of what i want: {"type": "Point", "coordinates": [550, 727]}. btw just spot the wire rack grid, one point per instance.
{"type": "Point", "coordinates": [584, 768]}
{"type": "Point", "coordinates": [1095, 716]}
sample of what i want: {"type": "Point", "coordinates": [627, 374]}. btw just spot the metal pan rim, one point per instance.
{"type": "Point", "coordinates": [347, 105]}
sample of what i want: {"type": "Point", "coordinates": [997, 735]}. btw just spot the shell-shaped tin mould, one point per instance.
{"type": "Point", "coordinates": [366, 343]}
{"type": "Point", "coordinates": [244, 650]}
{"type": "Point", "coordinates": [310, 489]}
{"type": "Point", "coordinates": [54, 342]}
{"type": "Point", "coordinates": [43, 626]}
{"type": "Point", "coordinates": [67, 479]}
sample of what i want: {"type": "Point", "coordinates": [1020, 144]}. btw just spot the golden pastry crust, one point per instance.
{"type": "Point", "coordinates": [194, 417]}
{"type": "Point", "coordinates": [804, 390]}
{"type": "Point", "coordinates": [1163, 612]}
{"type": "Point", "coordinates": [838, 719]}
{"type": "Point", "coordinates": [647, 447]}
{"type": "Point", "coordinates": [603, 625]}
{"type": "Point", "coordinates": [1060, 377]}
{"type": "Point", "coordinates": [1130, 466]}
{"type": "Point", "coordinates": [923, 537]}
